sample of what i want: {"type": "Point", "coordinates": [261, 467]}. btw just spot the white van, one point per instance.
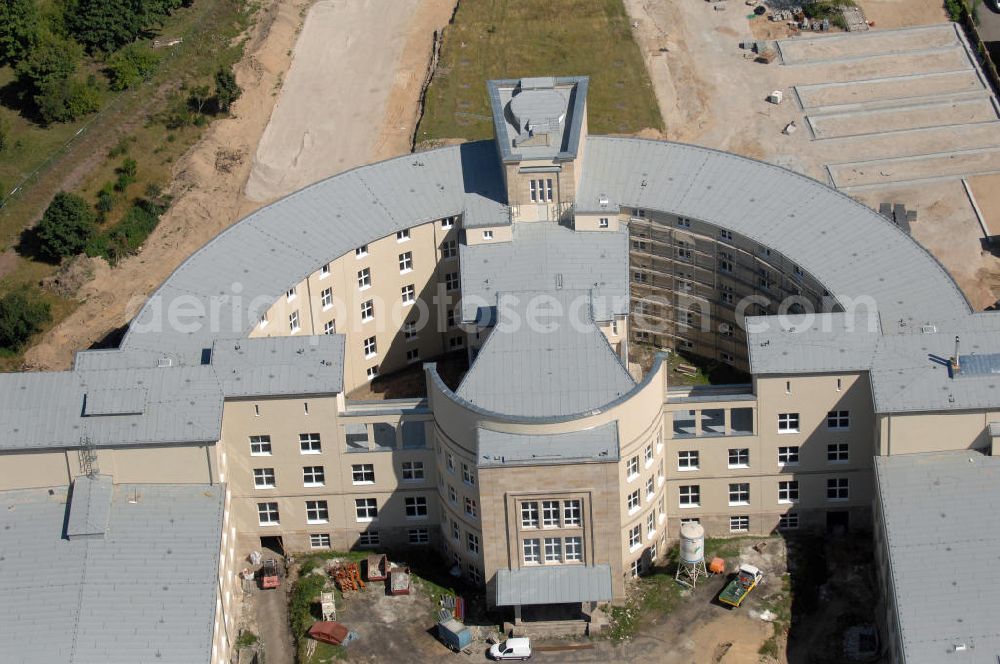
{"type": "Point", "coordinates": [512, 649]}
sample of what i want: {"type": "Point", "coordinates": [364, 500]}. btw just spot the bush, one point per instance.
{"type": "Point", "coordinates": [106, 198]}
{"type": "Point", "coordinates": [226, 89]}
{"type": "Point", "coordinates": [126, 174]}
{"type": "Point", "coordinates": [304, 593]}
{"type": "Point", "coordinates": [65, 228]}
{"type": "Point", "coordinates": [125, 237]}
{"type": "Point", "coordinates": [131, 65]}
{"type": "Point", "coordinates": [21, 315]}
{"type": "Point", "coordinates": [954, 9]}
{"type": "Point", "coordinates": [67, 100]}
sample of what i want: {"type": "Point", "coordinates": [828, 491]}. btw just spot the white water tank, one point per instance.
{"type": "Point", "coordinates": [692, 542]}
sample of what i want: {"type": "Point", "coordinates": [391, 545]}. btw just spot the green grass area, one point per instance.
{"type": "Point", "coordinates": [134, 124]}
{"type": "Point", "coordinates": [656, 593]}
{"type": "Point", "coordinates": [514, 38]}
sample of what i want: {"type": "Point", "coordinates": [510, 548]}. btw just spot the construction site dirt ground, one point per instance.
{"type": "Point", "coordinates": [898, 114]}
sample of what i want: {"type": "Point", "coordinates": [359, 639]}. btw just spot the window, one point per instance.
{"type": "Point", "coordinates": [529, 515]}
{"type": "Point", "coordinates": [726, 235]}
{"type": "Point", "coordinates": [691, 520]}
{"type": "Point", "coordinates": [726, 294]}
{"type": "Point", "coordinates": [409, 293]}
{"type": "Point", "coordinates": [472, 542]}
{"type": "Point", "coordinates": [660, 473]}
{"type": "Point", "coordinates": [640, 277]}
{"type": "Point", "coordinates": [739, 457]}
{"type": "Point", "coordinates": [372, 372]}
{"type": "Point", "coordinates": [450, 462]}
{"type": "Point", "coordinates": [418, 536]}
{"type": "Point", "coordinates": [447, 222]}
{"type": "Point", "coordinates": [456, 532]}
{"type": "Point", "coordinates": [487, 235]}
{"type": "Point", "coordinates": [550, 513]}
{"type": "Point", "coordinates": [632, 501]}
{"type": "Point", "coordinates": [290, 294]}
{"type": "Point", "coordinates": [412, 355]}
{"type": "Point", "coordinates": [364, 278]}
{"type": "Point", "coordinates": [683, 223]}
{"type": "Point", "coordinates": [293, 321]}
{"type": "Point", "coordinates": [650, 488]}
{"type": "Point", "coordinates": [267, 514]}
{"type": "Point", "coordinates": [326, 298]}
{"type": "Point", "coordinates": [687, 460]}
{"type": "Point", "coordinates": [553, 550]}
{"type": "Point", "coordinates": [316, 511]}
{"type": "Point", "coordinates": [574, 549]}
{"type": "Point", "coordinates": [361, 251]}
{"type": "Point", "coordinates": [456, 342]}
{"type": "Point", "coordinates": [405, 262]}
{"type": "Point", "coordinates": [635, 537]}
{"type": "Point", "coordinates": [413, 470]}
{"type": "Point", "coordinates": [650, 524]}
{"type": "Point", "coordinates": [836, 453]}
{"type": "Point", "coordinates": [403, 235]}
{"type": "Point", "coordinates": [649, 455]}
{"type": "Point", "coordinates": [369, 538]}
{"type": "Point", "coordinates": [571, 513]}
{"type": "Point", "coordinates": [263, 320]}
{"type": "Point", "coordinates": [370, 347]}
{"type": "Point", "coordinates": [450, 317]}
{"type": "Point", "coordinates": [726, 330]}
{"type": "Point", "coordinates": [635, 568]}
{"type": "Point", "coordinates": [263, 478]}
{"type": "Point", "coordinates": [739, 524]}
{"type": "Point", "coordinates": [838, 419]}
{"type": "Point", "coordinates": [603, 222]}
{"type": "Point", "coordinates": [313, 476]}
{"type": "Point", "coordinates": [475, 576]}
{"type": "Point", "coordinates": [788, 521]}
{"type": "Point", "coordinates": [632, 469]}
{"type": "Point", "coordinates": [416, 506]}
{"type": "Point", "coordinates": [468, 475]}
{"type": "Point", "coordinates": [451, 281]}
{"type": "Point", "coordinates": [727, 357]}
{"type": "Point", "coordinates": [363, 473]}
{"type": "Point", "coordinates": [366, 508]}
{"type": "Point", "coordinates": [788, 492]}
{"type": "Point", "coordinates": [726, 262]}
{"type": "Point", "coordinates": [788, 456]}
{"type": "Point", "coordinates": [324, 271]}
{"type": "Point", "coordinates": [330, 327]}
{"type": "Point", "coordinates": [367, 310]}
{"type": "Point", "coordinates": [788, 423]}
{"type": "Point", "coordinates": [837, 488]}
{"type": "Point", "coordinates": [309, 443]}
{"type": "Point", "coordinates": [471, 508]}
{"type": "Point", "coordinates": [409, 330]}
{"type": "Point", "coordinates": [690, 496]}
{"type": "Point", "coordinates": [639, 214]}
{"type": "Point", "coordinates": [739, 493]}
{"type": "Point", "coordinates": [452, 494]}
{"type": "Point", "coordinates": [683, 251]}
{"type": "Point", "coordinates": [260, 446]}
{"type": "Point", "coordinates": [319, 541]}
{"type": "Point", "coordinates": [449, 249]}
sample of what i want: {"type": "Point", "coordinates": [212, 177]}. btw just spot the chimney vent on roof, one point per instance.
{"type": "Point", "coordinates": [164, 362]}
{"type": "Point", "coordinates": [954, 363]}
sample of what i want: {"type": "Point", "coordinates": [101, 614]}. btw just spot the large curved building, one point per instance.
{"type": "Point", "coordinates": [556, 469]}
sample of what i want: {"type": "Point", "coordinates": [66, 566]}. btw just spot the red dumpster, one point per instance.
{"type": "Point", "coordinates": [329, 631]}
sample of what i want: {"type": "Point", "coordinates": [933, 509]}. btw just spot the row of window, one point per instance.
{"type": "Point", "coordinates": [556, 550]}
{"type": "Point", "coordinates": [741, 523]}
{"type": "Point", "coordinates": [739, 457]}
{"type": "Point", "coordinates": [634, 537]}
{"type": "Point", "coordinates": [315, 476]}
{"type": "Point", "coordinates": [309, 443]}
{"type": "Point", "coordinates": [835, 419]}
{"type": "Point", "coordinates": [554, 514]}
{"type": "Point", "coordinates": [317, 511]}
{"type": "Point", "coordinates": [837, 488]}
{"type": "Point", "coordinates": [371, 538]}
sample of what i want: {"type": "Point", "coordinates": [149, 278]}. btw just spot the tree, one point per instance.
{"type": "Point", "coordinates": [131, 65]}
{"type": "Point", "coordinates": [18, 29]}
{"type": "Point", "coordinates": [21, 317]}
{"type": "Point", "coordinates": [66, 100]}
{"type": "Point", "coordinates": [107, 25]}
{"type": "Point", "coordinates": [52, 59]}
{"type": "Point", "coordinates": [226, 89]}
{"type": "Point", "coordinates": [66, 226]}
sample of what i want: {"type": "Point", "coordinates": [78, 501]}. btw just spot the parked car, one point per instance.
{"type": "Point", "coordinates": [512, 649]}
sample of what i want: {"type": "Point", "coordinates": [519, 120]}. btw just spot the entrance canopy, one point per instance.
{"type": "Point", "coordinates": [553, 584]}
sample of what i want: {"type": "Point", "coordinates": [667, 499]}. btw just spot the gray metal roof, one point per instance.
{"type": "Point", "coordinates": [941, 514]}
{"type": "Point", "coordinates": [517, 104]}
{"type": "Point", "coordinates": [90, 508]}
{"type": "Point", "coordinates": [547, 256]}
{"type": "Point", "coordinates": [143, 594]}
{"type": "Point", "coordinates": [552, 362]}
{"type": "Point", "coordinates": [275, 366]}
{"type": "Point", "coordinates": [481, 212]}
{"type": "Point", "coordinates": [553, 584]}
{"type": "Point", "coordinates": [498, 448]}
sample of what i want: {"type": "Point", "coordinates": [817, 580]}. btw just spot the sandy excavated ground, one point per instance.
{"type": "Point", "coordinates": [349, 97]}
{"type": "Point", "coordinates": [208, 198]}
{"type": "Point", "coordinates": [887, 108]}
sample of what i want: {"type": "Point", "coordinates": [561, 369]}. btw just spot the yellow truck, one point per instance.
{"type": "Point", "coordinates": [746, 579]}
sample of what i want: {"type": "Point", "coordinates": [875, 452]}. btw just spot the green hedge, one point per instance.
{"type": "Point", "coordinates": [125, 237]}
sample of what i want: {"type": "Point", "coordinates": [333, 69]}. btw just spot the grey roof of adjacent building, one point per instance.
{"type": "Point", "coordinates": [941, 519]}
{"type": "Point", "coordinates": [145, 593]}
{"type": "Point", "coordinates": [90, 508]}
{"type": "Point", "coordinates": [547, 256]}
{"type": "Point", "coordinates": [553, 584]}
{"type": "Point", "coordinates": [538, 103]}
{"type": "Point", "coordinates": [499, 448]}
{"type": "Point", "coordinates": [908, 372]}
{"type": "Point", "coordinates": [481, 212]}
{"type": "Point", "coordinates": [279, 366]}
{"type": "Point", "coordinates": [553, 362]}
